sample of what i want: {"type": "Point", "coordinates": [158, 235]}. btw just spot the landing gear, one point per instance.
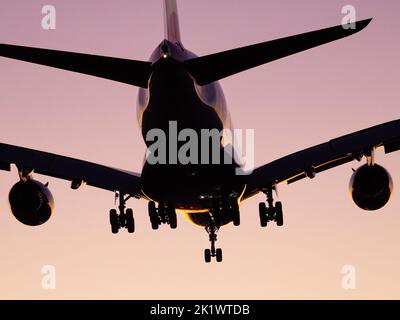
{"type": "Point", "coordinates": [212, 230]}
{"type": "Point", "coordinates": [123, 219]}
{"type": "Point", "coordinates": [271, 212]}
{"type": "Point", "coordinates": [218, 254]}
{"type": "Point", "coordinates": [278, 214]}
{"type": "Point", "coordinates": [114, 221]}
{"type": "Point", "coordinates": [153, 215]}
{"type": "Point", "coordinates": [130, 221]}
{"type": "Point", "coordinates": [207, 255]}
{"type": "Point", "coordinates": [228, 207]}
{"type": "Point", "coordinates": [164, 214]}
{"type": "Point", "coordinates": [235, 214]}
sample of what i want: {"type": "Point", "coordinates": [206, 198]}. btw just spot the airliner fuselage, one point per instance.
{"type": "Point", "coordinates": [173, 96]}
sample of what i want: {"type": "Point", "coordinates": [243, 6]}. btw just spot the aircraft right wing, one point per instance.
{"type": "Point", "coordinates": [131, 72]}
{"type": "Point", "coordinates": [220, 65]}
{"type": "Point", "coordinates": [311, 161]}
{"type": "Point", "coordinates": [69, 169]}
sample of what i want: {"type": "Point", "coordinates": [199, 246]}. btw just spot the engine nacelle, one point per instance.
{"type": "Point", "coordinates": [371, 187]}
{"type": "Point", "coordinates": [31, 202]}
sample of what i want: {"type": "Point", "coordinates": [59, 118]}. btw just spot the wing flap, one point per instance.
{"type": "Point", "coordinates": [322, 167]}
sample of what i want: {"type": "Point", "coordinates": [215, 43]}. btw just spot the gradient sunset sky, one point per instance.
{"type": "Point", "coordinates": [292, 104]}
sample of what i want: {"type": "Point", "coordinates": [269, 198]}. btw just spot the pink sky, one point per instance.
{"type": "Point", "coordinates": [292, 104]}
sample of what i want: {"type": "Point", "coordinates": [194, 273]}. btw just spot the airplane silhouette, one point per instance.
{"type": "Point", "coordinates": [177, 86]}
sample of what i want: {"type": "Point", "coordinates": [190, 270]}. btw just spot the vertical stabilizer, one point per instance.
{"type": "Point", "coordinates": [171, 21]}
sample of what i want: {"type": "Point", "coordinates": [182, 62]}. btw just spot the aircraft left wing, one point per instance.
{"type": "Point", "coordinates": [69, 169]}
{"type": "Point", "coordinates": [311, 161]}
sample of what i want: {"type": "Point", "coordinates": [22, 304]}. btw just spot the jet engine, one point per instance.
{"type": "Point", "coordinates": [31, 202]}
{"type": "Point", "coordinates": [371, 187]}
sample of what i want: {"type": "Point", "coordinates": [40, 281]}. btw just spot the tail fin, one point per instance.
{"type": "Point", "coordinates": [171, 21]}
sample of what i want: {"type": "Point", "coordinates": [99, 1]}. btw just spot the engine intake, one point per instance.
{"type": "Point", "coordinates": [371, 187]}
{"type": "Point", "coordinates": [31, 202]}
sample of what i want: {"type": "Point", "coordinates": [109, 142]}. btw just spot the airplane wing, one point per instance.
{"type": "Point", "coordinates": [220, 65]}
{"type": "Point", "coordinates": [131, 72]}
{"type": "Point", "coordinates": [69, 169]}
{"type": "Point", "coordinates": [311, 161]}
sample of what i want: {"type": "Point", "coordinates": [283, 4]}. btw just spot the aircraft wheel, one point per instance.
{"type": "Point", "coordinates": [207, 255]}
{"type": "Point", "coordinates": [279, 213]}
{"type": "Point", "coordinates": [173, 222]}
{"type": "Point", "coordinates": [153, 215]}
{"type": "Point", "coordinates": [262, 208]}
{"type": "Point", "coordinates": [130, 221]}
{"type": "Point", "coordinates": [114, 221]}
{"type": "Point", "coordinates": [154, 225]}
{"type": "Point", "coordinates": [219, 254]}
{"type": "Point", "coordinates": [236, 214]}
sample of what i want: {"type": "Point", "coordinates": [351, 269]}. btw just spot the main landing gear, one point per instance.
{"type": "Point", "coordinates": [228, 207]}
{"type": "Point", "coordinates": [212, 230]}
{"type": "Point", "coordinates": [164, 214]}
{"type": "Point", "coordinates": [232, 207]}
{"type": "Point", "coordinates": [271, 212]}
{"type": "Point", "coordinates": [123, 218]}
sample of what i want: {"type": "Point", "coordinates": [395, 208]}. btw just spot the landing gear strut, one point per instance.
{"type": "Point", "coordinates": [271, 212]}
{"type": "Point", "coordinates": [164, 214]}
{"type": "Point", "coordinates": [212, 230]}
{"type": "Point", "coordinates": [123, 218]}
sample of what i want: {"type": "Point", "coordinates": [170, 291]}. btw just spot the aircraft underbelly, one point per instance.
{"type": "Point", "coordinates": [190, 187]}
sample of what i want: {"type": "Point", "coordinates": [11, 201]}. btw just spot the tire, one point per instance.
{"type": "Point", "coordinates": [153, 215]}
{"type": "Point", "coordinates": [219, 254]}
{"type": "Point", "coordinates": [130, 221]}
{"type": "Point", "coordinates": [262, 208]}
{"type": "Point", "coordinates": [173, 222]}
{"type": "Point", "coordinates": [114, 229]}
{"type": "Point", "coordinates": [152, 209]}
{"type": "Point", "coordinates": [236, 214]}
{"type": "Point", "coordinates": [114, 221]}
{"type": "Point", "coordinates": [207, 255]}
{"type": "Point", "coordinates": [279, 214]}
{"type": "Point", "coordinates": [113, 216]}
{"type": "Point", "coordinates": [154, 225]}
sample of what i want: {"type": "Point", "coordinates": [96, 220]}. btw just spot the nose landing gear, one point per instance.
{"type": "Point", "coordinates": [212, 230]}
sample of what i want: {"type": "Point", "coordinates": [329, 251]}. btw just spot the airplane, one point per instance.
{"type": "Point", "coordinates": [177, 85]}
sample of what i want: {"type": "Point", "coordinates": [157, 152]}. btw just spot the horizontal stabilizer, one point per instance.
{"type": "Point", "coordinates": [217, 66]}
{"type": "Point", "coordinates": [126, 71]}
